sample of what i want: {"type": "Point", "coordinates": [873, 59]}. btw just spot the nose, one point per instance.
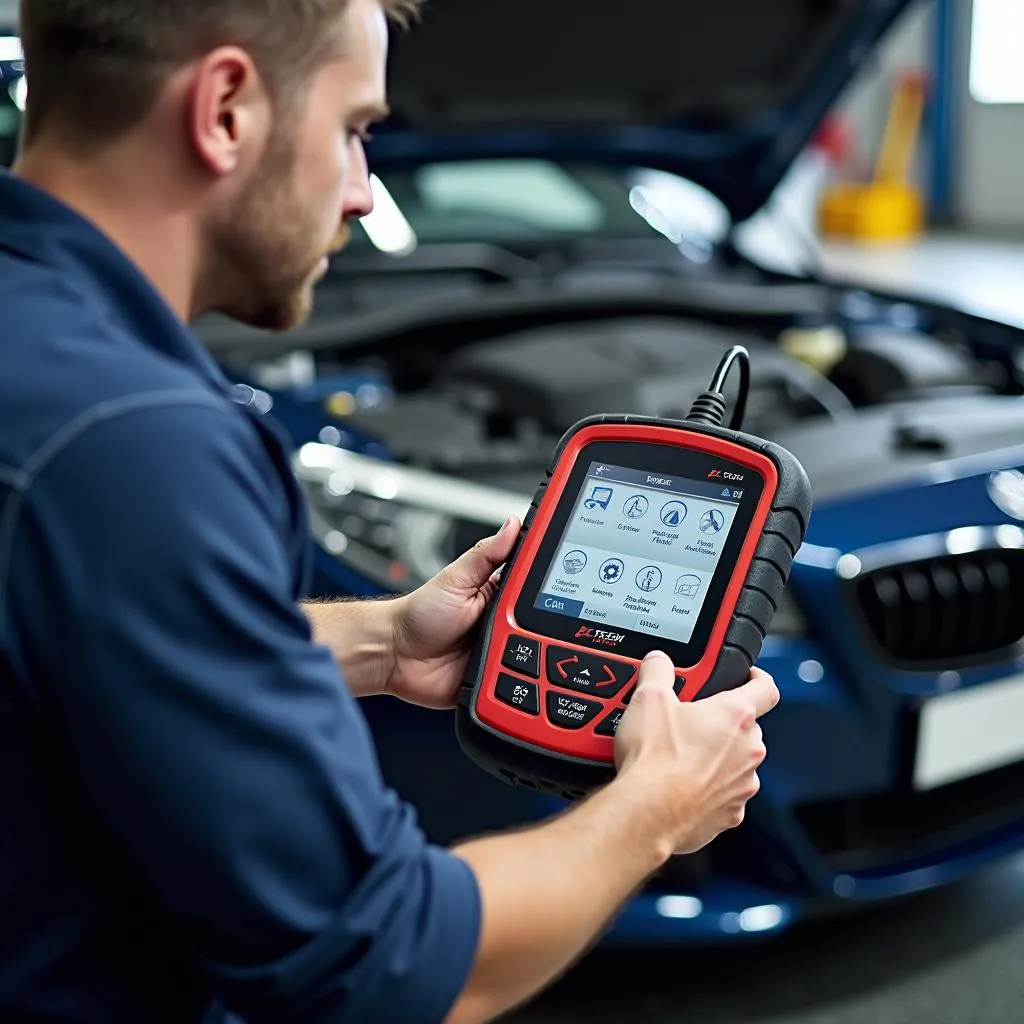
{"type": "Point", "coordinates": [358, 198]}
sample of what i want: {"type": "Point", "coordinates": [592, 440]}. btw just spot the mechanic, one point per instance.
{"type": "Point", "coordinates": [194, 824]}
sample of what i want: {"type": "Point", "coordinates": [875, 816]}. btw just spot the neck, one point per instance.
{"type": "Point", "coordinates": [129, 200]}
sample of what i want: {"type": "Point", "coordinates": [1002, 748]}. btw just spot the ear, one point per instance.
{"type": "Point", "coordinates": [229, 110]}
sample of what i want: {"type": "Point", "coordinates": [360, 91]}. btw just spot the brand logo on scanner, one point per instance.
{"type": "Point", "coordinates": [721, 474]}
{"type": "Point", "coordinates": [600, 636]}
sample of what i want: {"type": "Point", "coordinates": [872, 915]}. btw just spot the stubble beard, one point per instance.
{"type": "Point", "coordinates": [263, 263]}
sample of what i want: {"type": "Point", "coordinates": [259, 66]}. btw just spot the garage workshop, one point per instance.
{"type": "Point", "coordinates": [511, 510]}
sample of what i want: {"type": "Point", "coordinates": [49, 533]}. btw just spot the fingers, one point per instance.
{"type": "Point", "coordinates": [475, 568]}
{"type": "Point", "coordinates": [656, 670]}
{"type": "Point", "coordinates": [761, 691]}
{"type": "Point", "coordinates": [747, 703]}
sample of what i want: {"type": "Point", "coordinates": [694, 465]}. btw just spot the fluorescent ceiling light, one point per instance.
{"type": "Point", "coordinates": [386, 226]}
{"type": "Point", "coordinates": [19, 92]}
{"type": "Point", "coordinates": [761, 919]}
{"type": "Point", "coordinates": [684, 907]}
{"type": "Point", "coordinates": [10, 48]}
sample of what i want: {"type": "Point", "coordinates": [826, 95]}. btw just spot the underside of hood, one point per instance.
{"type": "Point", "coordinates": [723, 92]}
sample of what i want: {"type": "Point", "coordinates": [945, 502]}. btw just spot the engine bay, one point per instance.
{"type": "Point", "coordinates": [495, 411]}
{"type": "Point", "coordinates": [458, 436]}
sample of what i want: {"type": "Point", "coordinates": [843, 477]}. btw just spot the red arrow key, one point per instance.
{"type": "Point", "coordinates": [560, 665]}
{"type": "Point", "coordinates": [587, 673]}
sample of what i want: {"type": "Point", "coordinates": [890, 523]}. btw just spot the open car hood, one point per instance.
{"type": "Point", "coordinates": [725, 93]}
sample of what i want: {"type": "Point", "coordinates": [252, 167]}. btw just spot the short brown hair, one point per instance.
{"type": "Point", "coordinates": [97, 66]}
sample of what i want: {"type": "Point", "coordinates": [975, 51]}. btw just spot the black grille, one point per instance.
{"type": "Point", "coordinates": [877, 832]}
{"type": "Point", "coordinates": [945, 610]}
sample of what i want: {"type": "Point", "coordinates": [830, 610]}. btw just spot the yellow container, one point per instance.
{"type": "Point", "coordinates": [875, 212]}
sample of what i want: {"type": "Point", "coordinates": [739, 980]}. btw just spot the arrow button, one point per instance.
{"type": "Point", "coordinates": [563, 666]}
{"type": "Point", "coordinates": [587, 673]}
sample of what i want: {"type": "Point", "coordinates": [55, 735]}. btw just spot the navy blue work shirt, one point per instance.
{"type": "Point", "coordinates": [193, 824]}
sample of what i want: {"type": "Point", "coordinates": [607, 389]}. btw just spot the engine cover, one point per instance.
{"type": "Point", "coordinates": [501, 406]}
{"type": "Point", "coordinates": [645, 366]}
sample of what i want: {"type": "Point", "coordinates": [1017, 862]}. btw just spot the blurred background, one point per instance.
{"type": "Point", "coordinates": [578, 207]}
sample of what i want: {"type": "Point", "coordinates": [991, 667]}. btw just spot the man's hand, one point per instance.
{"type": "Point", "coordinates": [435, 625]}
{"type": "Point", "coordinates": [686, 772]}
{"type": "Point", "coordinates": [699, 759]}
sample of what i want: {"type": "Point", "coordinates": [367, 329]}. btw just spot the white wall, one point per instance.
{"type": "Point", "coordinates": [8, 13]}
{"type": "Point", "coordinates": [989, 175]}
{"type": "Point", "coordinates": [865, 105]}
{"type": "Point", "coordinates": [908, 47]}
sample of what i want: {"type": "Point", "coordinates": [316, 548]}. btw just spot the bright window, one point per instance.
{"type": "Point", "coordinates": [997, 72]}
{"type": "Point", "coordinates": [536, 191]}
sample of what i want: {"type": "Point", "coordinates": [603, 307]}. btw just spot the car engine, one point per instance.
{"type": "Point", "coordinates": [438, 464]}
{"type": "Point", "coordinates": [495, 411]}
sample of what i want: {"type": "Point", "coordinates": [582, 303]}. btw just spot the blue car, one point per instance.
{"type": "Point", "coordinates": [555, 235]}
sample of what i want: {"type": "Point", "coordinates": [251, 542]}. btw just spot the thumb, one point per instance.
{"type": "Point", "coordinates": [657, 671]}
{"type": "Point", "coordinates": [476, 566]}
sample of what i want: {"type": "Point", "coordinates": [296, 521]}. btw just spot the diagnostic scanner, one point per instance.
{"type": "Point", "coordinates": [647, 534]}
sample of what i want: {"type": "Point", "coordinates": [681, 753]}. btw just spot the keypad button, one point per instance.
{"type": "Point", "coordinates": [522, 655]}
{"type": "Point", "coordinates": [519, 694]}
{"type": "Point", "coordinates": [571, 712]}
{"type": "Point", "coordinates": [587, 673]}
{"type": "Point", "coordinates": [610, 723]}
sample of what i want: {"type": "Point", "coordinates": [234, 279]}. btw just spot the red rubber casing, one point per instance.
{"type": "Point", "coordinates": [527, 749]}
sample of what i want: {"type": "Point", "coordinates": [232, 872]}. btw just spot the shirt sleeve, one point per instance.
{"type": "Point", "coordinates": [151, 593]}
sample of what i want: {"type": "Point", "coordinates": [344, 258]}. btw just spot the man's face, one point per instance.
{"type": "Point", "coordinates": [272, 242]}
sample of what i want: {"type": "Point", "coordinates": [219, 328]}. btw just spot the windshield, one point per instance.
{"type": "Point", "coordinates": [506, 201]}
{"type": "Point", "coordinates": [509, 201]}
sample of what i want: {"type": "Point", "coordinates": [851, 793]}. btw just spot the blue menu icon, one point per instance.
{"type": "Point", "coordinates": [673, 513]}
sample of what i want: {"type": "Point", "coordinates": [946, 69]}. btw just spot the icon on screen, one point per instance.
{"type": "Point", "coordinates": [712, 521]}
{"type": "Point", "coordinates": [688, 586]}
{"type": "Point", "coordinates": [636, 506]}
{"type": "Point", "coordinates": [599, 498]}
{"type": "Point", "coordinates": [673, 513]}
{"type": "Point", "coordinates": [612, 570]}
{"type": "Point", "coordinates": [574, 562]}
{"type": "Point", "coordinates": [649, 578]}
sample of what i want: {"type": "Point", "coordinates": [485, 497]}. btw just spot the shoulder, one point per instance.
{"type": "Point", "coordinates": [69, 365]}
{"type": "Point", "coordinates": [159, 452]}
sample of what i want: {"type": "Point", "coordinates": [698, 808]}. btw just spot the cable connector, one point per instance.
{"type": "Point", "coordinates": [709, 407]}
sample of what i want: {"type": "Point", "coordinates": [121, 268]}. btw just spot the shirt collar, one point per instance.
{"type": "Point", "coordinates": [36, 225]}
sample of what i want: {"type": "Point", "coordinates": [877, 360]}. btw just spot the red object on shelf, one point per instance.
{"type": "Point", "coordinates": [835, 139]}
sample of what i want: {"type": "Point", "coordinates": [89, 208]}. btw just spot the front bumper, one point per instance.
{"type": "Point", "coordinates": [835, 826]}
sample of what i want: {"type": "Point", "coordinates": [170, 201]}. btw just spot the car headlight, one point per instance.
{"type": "Point", "coordinates": [395, 525]}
